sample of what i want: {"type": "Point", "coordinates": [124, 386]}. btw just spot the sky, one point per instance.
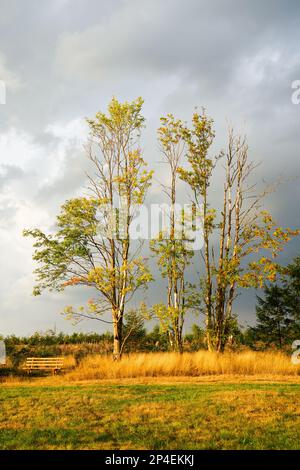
{"type": "Point", "coordinates": [62, 61]}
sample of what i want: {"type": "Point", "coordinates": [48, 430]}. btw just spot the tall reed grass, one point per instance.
{"type": "Point", "coordinates": [187, 364]}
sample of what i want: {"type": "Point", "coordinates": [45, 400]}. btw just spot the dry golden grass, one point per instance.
{"type": "Point", "coordinates": [202, 363]}
{"type": "Point", "coordinates": [69, 361]}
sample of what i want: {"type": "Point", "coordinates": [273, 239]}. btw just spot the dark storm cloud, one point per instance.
{"type": "Point", "coordinates": [63, 60]}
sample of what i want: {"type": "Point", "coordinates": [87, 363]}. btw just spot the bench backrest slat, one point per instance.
{"type": "Point", "coordinates": [44, 363]}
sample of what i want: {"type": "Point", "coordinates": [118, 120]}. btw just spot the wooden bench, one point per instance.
{"type": "Point", "coordinates": [53, 364]}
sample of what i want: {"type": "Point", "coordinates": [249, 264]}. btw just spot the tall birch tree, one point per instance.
{"type": "Point", "coordinates": [92, 246]}
{"type": "Point", "coordinates": [241, 239]}
{"type": "Point", "coordinates": [172, 248]}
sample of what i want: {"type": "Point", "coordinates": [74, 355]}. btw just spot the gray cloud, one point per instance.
{"type": "Point", "coordinates": [64, 59]}
{"type": "Point", "coordinates": [8, 173]}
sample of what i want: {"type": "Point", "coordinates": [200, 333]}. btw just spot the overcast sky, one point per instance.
{"type": "Point", "coordinates": [63, 60]}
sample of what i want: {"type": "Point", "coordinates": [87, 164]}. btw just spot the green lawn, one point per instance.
{"type": "Point", "coordinates": [180, 416]}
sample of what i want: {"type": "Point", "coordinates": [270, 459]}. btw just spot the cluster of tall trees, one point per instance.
{"type": "Point", "coordinates": [240, 239]}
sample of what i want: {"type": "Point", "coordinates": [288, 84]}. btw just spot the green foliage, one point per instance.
{"type": "Point", "coordinates": [199, 140]}
{"type": "Point", "coordinates": [278, 321]}
{"type": "Point", "coordinates": [291, 283]}
{"type": "Point", "coordinates": [50, 338]}
{"type": "Point", "coordinates": [134, 331]}
{"type": "Point", "coordinates": [274, 325]}
{"type": "Point", "coordinates": [65, 257]}
{"type": "Point", "coordinates": [195, 340]}
{"type": "Point", "coordinates": [121, 120]}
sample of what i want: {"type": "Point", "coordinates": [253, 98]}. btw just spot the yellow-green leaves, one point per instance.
{"type": "Point", "coordinates": [120, 121]}
{"type": "Point", "coordinates": [198, 140]}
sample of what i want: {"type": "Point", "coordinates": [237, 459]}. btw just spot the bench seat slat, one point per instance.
{"type": "Point", "coordinates": [46, 359]}
{"type": "Point", "coordinates": [44, 362]}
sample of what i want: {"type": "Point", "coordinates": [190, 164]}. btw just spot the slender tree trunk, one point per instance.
{"type": "Point", "coordinates": [279, 335]}
{"type": "Point", "coordinates": [117, 351]}
{"type": "Point", "coordinates": [221, 340]}
{"type": "Point", "coordinates": [209, 333]}
{"type": "Point", "coordinates": [208, 293]}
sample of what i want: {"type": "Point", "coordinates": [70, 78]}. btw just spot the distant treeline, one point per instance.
{"type": "Point", "coordinates": [81, 344]}
{"type": "Point", "coordinates": [50, 343]}
{"type": "Point", "coordinates": [50, 338]}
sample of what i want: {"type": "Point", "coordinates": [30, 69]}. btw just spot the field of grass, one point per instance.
{"type": "Point", "coordinates": [246, 400]}
{"type": "Point", "coordinates": [207, 415]}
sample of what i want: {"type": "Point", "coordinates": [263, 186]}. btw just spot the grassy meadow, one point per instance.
{"type": "Point", "coordinates": [246, 400]}
{"type": "Point", "coordinates": [151, 416]}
